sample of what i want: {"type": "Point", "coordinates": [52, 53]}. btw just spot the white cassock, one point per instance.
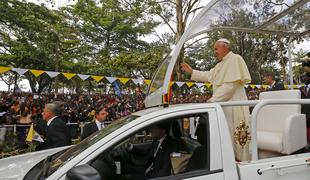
{"type": "Point", "coordinates": [228, 78]}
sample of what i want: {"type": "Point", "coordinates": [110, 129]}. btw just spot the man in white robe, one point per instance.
{"type": "Point", "coordinates": [228, 78]}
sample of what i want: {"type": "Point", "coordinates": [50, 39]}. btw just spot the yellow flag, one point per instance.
{"type": "Point", "coordinates": [36, 73]}
{"type": "Point", "coordinates": [123, 80]}
{"type": "Point", "coordinates": [189, 84]}
{"type": "Point", "coordinates": [4, 69]}
{"type": "Point", "coordinates": [69, 75]}
{"type": "Point", "coordinates": [97, 78]}
{"type": "Point", "coordinates": [148, 82]}
{"type": "Point", "coordinates": [252, 86]}
{"type": "Point", "coordinates": [30, 133]}
{"type": "Point", "coordinates": [33, 135]}
{"type": "Point", "coordinates": [208, 85]}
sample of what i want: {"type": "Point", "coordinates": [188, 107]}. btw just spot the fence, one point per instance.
{"type": "Point", "coordinates": [5, 128]}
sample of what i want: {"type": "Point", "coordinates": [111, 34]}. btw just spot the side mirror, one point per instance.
{"type": "Point", "coordinates": [83, 172]}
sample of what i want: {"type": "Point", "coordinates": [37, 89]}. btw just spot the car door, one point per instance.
{"type": "Point", "coordinates": [214, 169]}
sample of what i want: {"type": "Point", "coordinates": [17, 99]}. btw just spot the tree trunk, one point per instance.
{"type": "Point", "coordinates": [180, 31]}
{"type": "Point", "coordinates": [15, 82]}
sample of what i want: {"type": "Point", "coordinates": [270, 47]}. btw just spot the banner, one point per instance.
{"type": "Point", "coordinates": [189, 84]}
{"type": "Point", "coordinates": [69, 75]}
{"type": "Point", "coordinates": [199, 85]}
{"type": "Point", "coordinates": [147, 81]}
{"type": "Point", "coordinates": [137, 81]}
{"type": "Point", "coordinates": [117, 89]}
{"type": "Point", "coordinates": [179, 83]}
{"type": "Point", "coordinates": [52, 74]}
{"type": "Point", "coordinates": [36, 73]}
{"type": "Point", "coordinates": [20, 71]}
{"type": "Point", "coordinates": [4, 69]}
{"type": "Point", "coordinates": [83, 77]}
{"type": "Point", "coordinates": [124, 80]}
{"type": "Point", "coordinates": [97, 78]}
{"type": "Point", "coordinates": [111, 79]}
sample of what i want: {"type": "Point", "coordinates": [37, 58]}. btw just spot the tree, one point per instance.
{"type": "Point", "coordinates": [33, 37]}
{"type": "Point", "coordinates": [176, 14]}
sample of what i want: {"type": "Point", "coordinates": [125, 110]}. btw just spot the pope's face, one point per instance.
{"type": "Point", "coordinates": [220, 50]}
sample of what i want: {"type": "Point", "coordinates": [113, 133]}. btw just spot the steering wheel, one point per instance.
{"type": "Point", "coordinates": [105, 165]}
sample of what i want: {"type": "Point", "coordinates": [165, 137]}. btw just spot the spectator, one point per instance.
{"type": "Point", "coordinates": [305, 94]}
{"type": "Point", "coordinates": [24, 120]}
{"type": "Point", "coordinates": [98, 124]}
{"type": "Point", "coordinates": [269, 79]}
{"type": "Point", "coordinates": [57, 133]}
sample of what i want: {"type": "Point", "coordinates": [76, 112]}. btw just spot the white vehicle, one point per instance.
{"type": "Point", "coordinates": [103, 156]}
{"type": "Point", "coordinates": [278, 135]}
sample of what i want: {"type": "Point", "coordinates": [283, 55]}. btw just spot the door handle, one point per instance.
{"type": "Point", "coordinates": [280, 168]}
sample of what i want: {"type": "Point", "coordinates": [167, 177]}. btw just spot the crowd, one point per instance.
{"type": "Point", "coordinates": [24, 109]}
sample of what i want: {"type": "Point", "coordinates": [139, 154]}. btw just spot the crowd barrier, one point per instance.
{"type": "Point", "coordinates": [4, 128]}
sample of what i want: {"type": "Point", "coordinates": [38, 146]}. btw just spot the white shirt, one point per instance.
{"type": "Point", "coordinates": [274, 82]}
{"type": "Point", "coordinates": [50, 120]}
{"type": "Point", "coordinates": [99, 124]}
{"type": "Point", "coordinates": [307, 88]}
{"type": "Point", "coordinates": [159, 144]}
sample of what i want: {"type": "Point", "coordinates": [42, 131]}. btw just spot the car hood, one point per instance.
{"type": "Point", "coordinates": [16, 167]}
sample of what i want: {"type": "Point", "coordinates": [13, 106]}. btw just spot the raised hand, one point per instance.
{"type": "Point", "coordinates": [186, 68]}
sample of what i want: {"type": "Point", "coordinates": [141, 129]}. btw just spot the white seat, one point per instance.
{"type": "Point", "coordinates": [281, 129]}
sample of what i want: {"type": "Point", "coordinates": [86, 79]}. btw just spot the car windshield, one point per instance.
{"type": "Point", "coordinates": [83, 145]}
{"type": "Point", "coordinates": [158, 79]}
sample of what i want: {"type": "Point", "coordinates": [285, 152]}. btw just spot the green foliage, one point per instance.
{"type": "Point", "coordinates": [87, 37]}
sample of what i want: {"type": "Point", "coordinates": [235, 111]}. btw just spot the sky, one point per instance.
{"type": "Point", "coordinates": [160, 30]}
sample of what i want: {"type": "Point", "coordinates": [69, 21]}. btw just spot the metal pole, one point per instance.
{"type": "Point", "coordinates": [290, 62]}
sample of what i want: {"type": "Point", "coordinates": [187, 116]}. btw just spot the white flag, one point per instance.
{"type": "Point", "coordinates": [20, 71]}
{"type": "Point", "coordinates": [52, 74]}
{"type": "Point", "coordinates": [179, 83]}
{"type": "Point", "coordinates": [37, 137]}
{"type": "Point", "coordinates": [111, 79]}
{"type": "Point", "coordinates": [137, 81]}
{"type": "Point", "coordinates": [83, 76]}
{"type": "Point", "coordinates": [199, 85]}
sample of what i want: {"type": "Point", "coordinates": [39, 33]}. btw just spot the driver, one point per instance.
{"type": "Point", "coordinates": [158, 163]}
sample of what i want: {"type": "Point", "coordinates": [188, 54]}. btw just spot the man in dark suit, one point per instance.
{"type": "Point", "coordinates": [100, 116]}
{"type": "Point", "coordinates": [158, 163]}
{"type": "Point", "coordinates": [57, 132]}
{"type": "Point", "coordinates": [305, 94]}
{"type": "Point", "coordinates": [269, 79]}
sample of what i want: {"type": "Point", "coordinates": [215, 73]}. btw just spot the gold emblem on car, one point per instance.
{"type": "Point", "coordinates": [242, 134]}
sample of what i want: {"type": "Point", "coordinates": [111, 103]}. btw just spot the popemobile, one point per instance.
{"type": "Point", "coordinates": [277, 133]}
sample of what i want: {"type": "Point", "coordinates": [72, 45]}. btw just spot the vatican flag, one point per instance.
{"type": "Point", "coordinates": [33, 135]}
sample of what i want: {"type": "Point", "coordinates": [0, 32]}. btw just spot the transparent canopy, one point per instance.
{"type": "Point", "coordinates": [279, 17]}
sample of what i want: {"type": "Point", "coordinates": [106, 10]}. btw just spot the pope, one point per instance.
{"type": "Point", "coordinates": [228, 78]}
